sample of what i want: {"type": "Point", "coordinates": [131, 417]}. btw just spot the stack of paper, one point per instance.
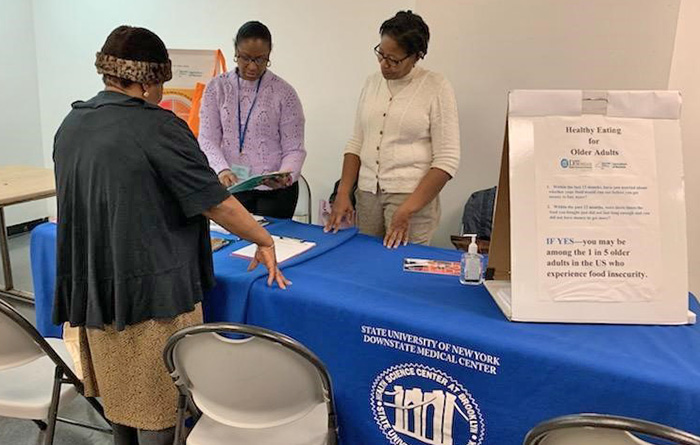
{"type": "Point", "coordinates": [285, 248]}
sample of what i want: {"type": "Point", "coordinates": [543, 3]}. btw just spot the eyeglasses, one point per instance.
{"type": "Point", "coordinates": [389, 60]}
{"type": "Point", "coordinates": [259, 61]}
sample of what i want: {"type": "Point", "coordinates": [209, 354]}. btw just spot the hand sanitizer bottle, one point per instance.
{"type": "Point", "coordinates": [472, 270]}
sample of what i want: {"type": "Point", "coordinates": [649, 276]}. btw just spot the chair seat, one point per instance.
{"type": "Point", "coordinates": [597, 436]}
{"type": "Point", "coordinates": [25, 391]}
{"type": "Point", "coordinates": [311, 429]}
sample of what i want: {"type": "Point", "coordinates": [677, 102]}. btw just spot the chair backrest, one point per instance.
{"type": "Point", "coordinates": [334, 193]}
{"type": "Point", "coordinates": [259, 379]}
{"type": "Point", "coordinates": [17, 346]}
{"type": "Point", "coordinates": [602, 429]}
{"type": "Point", "coordinates": [302, 213]}
{"type": "Point", "coordinates": [477, 216]}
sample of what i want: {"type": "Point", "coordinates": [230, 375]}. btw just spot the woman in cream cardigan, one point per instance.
{"type": "Point", "coordinates": [405, 144]}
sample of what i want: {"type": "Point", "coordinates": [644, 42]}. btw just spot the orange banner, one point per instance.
{"type": "Point", "coordinates": [192, 70]}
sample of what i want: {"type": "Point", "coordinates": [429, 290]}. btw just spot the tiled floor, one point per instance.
{"type": "Point", "coordinates": [25, 432]}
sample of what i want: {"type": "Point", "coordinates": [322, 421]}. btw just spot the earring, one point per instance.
{"type": "Point", "coordinates": [145, 94]}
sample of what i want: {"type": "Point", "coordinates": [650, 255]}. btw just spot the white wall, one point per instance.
{"type": "Point", "coordinates": [323, 48]}
{"type": "Point", "coordinates": [685, 77]}
{"type": "Point", "coordinates": [489, 47]}
{"type": "Point", "coordinates": [19, 118]}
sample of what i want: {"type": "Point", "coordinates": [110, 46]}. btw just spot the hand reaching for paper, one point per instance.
{"type": "Point", "coordinates": [265, 255]}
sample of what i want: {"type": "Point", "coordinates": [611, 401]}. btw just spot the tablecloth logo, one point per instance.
{"type": "Point", "coordinates": [417, 404]}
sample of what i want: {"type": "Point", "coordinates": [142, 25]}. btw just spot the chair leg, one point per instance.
{"type": "Point", "coordinates": [180, 425]}
{"type": "Point", "coordinates": [53, 408]}
{"type": "Point", "coordinates": [332, 425]}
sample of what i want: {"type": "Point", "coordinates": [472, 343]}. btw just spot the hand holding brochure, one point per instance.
{"type": "Point", "coordinates": [285, 248]}
{"type": "Point", "coordinates": [256, 181]}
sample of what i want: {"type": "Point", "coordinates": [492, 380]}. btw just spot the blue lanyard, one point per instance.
{"type": "Point", "coordinates": [241, 129]}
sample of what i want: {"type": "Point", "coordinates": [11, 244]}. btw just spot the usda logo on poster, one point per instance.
{"type": "Point", "coordinates": [415, 404]}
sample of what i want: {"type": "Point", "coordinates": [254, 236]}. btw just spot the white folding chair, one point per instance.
{"type": "Point", "coordinates": [253, 387]}
{"type": "Point", "coordinates": [36, 375]}
{"type": "Point", "coordinates": [302, 213]}
{"type": "Point", "coordinates": [599, 429]}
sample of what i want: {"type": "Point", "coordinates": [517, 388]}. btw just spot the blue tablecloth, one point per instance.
{"type": "Point", "coordinates": [226, 302]}
{"type": "Point", "coordinates": [420, 359]}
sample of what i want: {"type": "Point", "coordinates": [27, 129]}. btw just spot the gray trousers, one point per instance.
{"type": "Point", "coordinates": [375, 210]}
{"type": "Point", "coordinates": [126, 435]}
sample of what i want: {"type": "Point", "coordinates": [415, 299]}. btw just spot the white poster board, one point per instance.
{"type": "Point", "coordinates": [192, 71]}
{"type": "Point", "coordinates": [595, 209]}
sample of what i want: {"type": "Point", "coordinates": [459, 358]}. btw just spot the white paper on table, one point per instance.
{"type": "Point", "coordinates": [285, 248]}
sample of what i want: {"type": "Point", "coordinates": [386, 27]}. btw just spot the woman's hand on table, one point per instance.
{"type": "Point", "coordinates": [398, 229]}
{"type": "Point", "coordinates": [227, 178]}
{"type": "Point", "coordinates": [265, 255]}
{"type": "Point", "coordinates": [232, 216]}
{"type": "Point", "coordinates": [342, 210]}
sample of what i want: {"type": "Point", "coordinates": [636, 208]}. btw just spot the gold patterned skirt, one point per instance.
{"type": "Point", "coordinates": [126, 369]}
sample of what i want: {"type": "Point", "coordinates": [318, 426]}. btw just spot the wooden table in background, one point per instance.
{"type": "Point", "coordinates": [18, 184]}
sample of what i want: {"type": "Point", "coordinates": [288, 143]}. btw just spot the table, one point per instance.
{"type": "Point", "coordinates": [20, 184]}
{"type": "Point", "coordinates": [420, 359]}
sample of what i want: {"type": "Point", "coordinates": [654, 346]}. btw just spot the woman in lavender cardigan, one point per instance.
{"type": "Point", "coordinates": [251, 121]}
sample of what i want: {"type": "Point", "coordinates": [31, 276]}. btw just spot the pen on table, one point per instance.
{"type": "Point", "coordinates": [290, 238]}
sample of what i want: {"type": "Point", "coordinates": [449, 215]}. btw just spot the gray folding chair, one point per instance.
{"type": "Point", "coordinates": [302, 213]}
{"type": "Point", "coordinates": [249, 385]}
{"type": "Point", "coordinates": [36, 375]}
{"type": "Point", "coordinates": [599, 429]}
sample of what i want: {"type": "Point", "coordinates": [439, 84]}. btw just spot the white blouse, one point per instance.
{"type": "Point", "coordinates": [403, 128]}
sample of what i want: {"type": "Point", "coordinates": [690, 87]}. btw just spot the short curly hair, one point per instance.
{"type": "Point", "coordinates": [410, 32]}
